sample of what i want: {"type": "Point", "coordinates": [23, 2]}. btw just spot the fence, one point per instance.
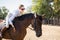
{"type": "Point", "coordinates": [52, 21]}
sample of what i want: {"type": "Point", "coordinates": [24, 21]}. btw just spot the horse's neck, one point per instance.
{"type": "Point", "coordinates": [22, 24]}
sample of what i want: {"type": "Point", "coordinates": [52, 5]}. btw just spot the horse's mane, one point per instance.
{"type": "Point", "coordinates": [25, 16]}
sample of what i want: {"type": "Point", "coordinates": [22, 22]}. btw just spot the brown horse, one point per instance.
{"type": "Point", "coordinates": [21, 23]}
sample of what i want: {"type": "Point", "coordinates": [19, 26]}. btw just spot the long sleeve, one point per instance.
{"type": "Point", "coordinates": [7, 17]}
{"type": "Point", "coordinates": [10, 17]}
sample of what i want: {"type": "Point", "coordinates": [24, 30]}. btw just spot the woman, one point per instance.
{"type": "Point", "coordinates": [11, 16]}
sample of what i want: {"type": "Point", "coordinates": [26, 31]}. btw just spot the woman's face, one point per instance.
{"type": "Point", "coordinates": [22, 9]}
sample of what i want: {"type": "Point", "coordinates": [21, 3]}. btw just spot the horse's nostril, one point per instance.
{"type": "Point", "coordinates": [38, 34]}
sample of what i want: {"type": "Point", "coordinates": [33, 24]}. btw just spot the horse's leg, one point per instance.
{"type": "Point", "coordinates": [23, 35]}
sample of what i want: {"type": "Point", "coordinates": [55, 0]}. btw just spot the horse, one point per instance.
{"type": "Point", "coordinates": [21, 23]}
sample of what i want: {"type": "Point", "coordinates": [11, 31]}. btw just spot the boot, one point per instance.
{"type": "Point", "coordinates": [13, 28]}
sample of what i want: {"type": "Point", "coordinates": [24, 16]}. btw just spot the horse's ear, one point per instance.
{"type": "Point", "coordinates": [35, 14]}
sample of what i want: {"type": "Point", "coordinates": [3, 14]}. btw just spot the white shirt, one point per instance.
{"type": "Point", "coordinates": [10, 16]}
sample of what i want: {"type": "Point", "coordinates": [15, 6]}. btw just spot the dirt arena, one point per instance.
{"type": "Point", "coordinates": [48, 33]}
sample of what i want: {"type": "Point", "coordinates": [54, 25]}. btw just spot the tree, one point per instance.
{"type": "Point", "coordinates": [3, 12]}
{"type": "Point", "coordinates": [29, 8]}
{"type": "Point", "coordinates": [43, 7]}
{"type": "Point", "coordinates": [57, 8]}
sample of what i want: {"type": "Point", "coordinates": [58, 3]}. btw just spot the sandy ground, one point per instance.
{"type": "Point", "coordinates": [48, 33]}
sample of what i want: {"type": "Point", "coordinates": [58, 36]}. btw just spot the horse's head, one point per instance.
{"type": "Point", "coordinates": [37, 24]}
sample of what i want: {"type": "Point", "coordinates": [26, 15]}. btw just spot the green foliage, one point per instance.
{"type": "Point", "coordinates": [36, 5]}
{"type": "Point", "coordinates": [3, 12]}
{"type": "Point", "coordinates": [43, 7]}
{"type": "Point", "coordinates": [57, 8]}
{"type": "Point", "coordinates": [56, 5]}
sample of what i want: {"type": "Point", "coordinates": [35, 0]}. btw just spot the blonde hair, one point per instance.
{"type": "Point", "coordinates": [21, 6]}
